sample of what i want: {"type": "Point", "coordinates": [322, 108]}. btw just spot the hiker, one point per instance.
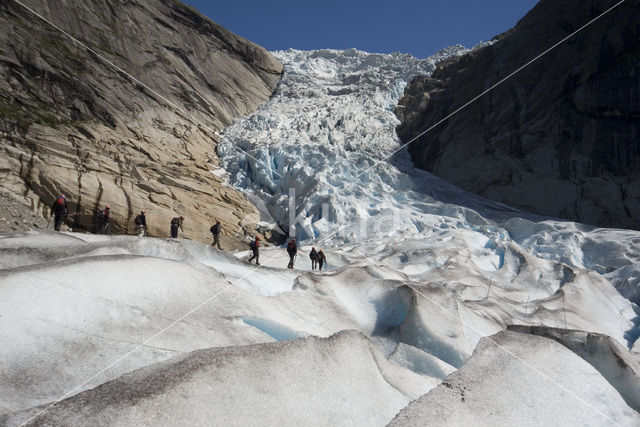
{"type": "Point", "coordinates": [292, 249]}
{"type": "Point", "coordinates": [215, 230]}
{"type": "Point", "coordinates": [321, 259]}
{"type": "Point", "coordinates": [59, 210]}
{"type": "Point", "coordinates": [103, 220]}
{"type": "Point", "coordinates": [175, 223]}
{"type": "Point", "coordinates": [314, 258]}
{"type": "Point", "coordinates": [141, 223]}
{"type": "Point", "coordinates": [255, 248]}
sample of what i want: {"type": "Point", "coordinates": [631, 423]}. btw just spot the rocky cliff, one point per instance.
{"type": "Point", "coordinates": [132, 118]}
{"type": "Point", "coordinates": [561, 137]}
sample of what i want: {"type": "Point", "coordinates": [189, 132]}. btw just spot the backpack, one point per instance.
{"type": "Point", "coordinates": [174, 221]}
{"type": "Point", "coordinates": [100, 214]}
{"type": "Point", "coordinates": [253, 246]}
{"type": "Point", "coordinates": [213, 229]}
{"type": "Point", "coordinates": [138, 220]}
{"type": "Point", "coordinates": [60, 202]}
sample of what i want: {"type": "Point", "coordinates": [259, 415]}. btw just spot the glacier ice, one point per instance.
{"type": "Point", "coordinates": [521, 379]}
{"type": "Point", "coordinates": [73, 304]}
{"type": "Point", "coordinates": [422, 271]}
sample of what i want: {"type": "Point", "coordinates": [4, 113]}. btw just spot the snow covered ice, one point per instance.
{"type": "Point", "coordinates": [423, 281]}
{"type": "Point", "coordinates": [554, 386]}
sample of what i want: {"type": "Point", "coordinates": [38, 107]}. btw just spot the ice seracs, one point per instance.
{"type": "Point", "coordinates": [329, 120]}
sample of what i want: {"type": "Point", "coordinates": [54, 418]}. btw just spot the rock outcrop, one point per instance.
{"type": "Point", "coordinates": [561, 137]}
{"type": "Point", "coordinates": [130, 121]}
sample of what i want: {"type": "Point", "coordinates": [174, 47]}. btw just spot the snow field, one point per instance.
{"type": "Point", "coordinates": [76, 313]}
{"type": "Point", "coordinates": [69, 311]}
{"type": "Point", "coordinates": [287, 383]}
{"type": "Point", "coordinates": [522, 379]}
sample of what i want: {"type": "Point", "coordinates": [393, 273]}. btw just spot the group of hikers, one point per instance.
{"type": "Point", "coordinates": [59, 211]}
{"type": "Point", "coordinates": [318, 258]}
{"type": "Point", "coordinates": [102, 225]}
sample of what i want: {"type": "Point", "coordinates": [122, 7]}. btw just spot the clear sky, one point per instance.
{"type": "Point", "coordinates": [409, 26]}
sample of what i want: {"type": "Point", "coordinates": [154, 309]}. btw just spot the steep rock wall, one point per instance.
{"type": "Point", "coordinates": [561, 137]}
{"type": "Point", "coordinates": [71, 123]}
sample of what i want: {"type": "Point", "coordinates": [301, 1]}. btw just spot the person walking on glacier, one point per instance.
{"type": "Point", "coordinates": [313, 255]}
{"type": "Point", "coordinates": [59, 211]}
{"type": "Point", "coordinates": [104, 225]}
{"type": "Point", "coordinates": [255, 249]}
{"type": "Point", "coordinates": [321, 259]}
{"type": "Point", "coordinates": [141, 223]}
{"type": "Point", "coordinates": [292, 249]}
{"type": "Point", "coordinates": [175, 224]}
{"type": "Point", "coordinates": [215, 230]}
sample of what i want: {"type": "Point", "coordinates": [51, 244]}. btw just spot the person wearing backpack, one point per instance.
{"type": "Point", "coordinates": [313, 255]}
{"type": "Point", "coordinates": [104, 226]}
{"type": "Point", "coordinates": [215, 230]}
{"type": "Point", "coordinates": [141, 223]}
{"type": "Point", "coordinates": [321, 259]}
{"type": "Point", "coordinates": [292, 250]}
{"type": "Point", "coordinates": [175, 223]}
{"type": "Point", "coordinates": [255, 249]}
{"type": "Point", "coordinates": [59, 211]}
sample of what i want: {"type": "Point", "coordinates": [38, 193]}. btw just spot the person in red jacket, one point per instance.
{"type": "Point", "coordinates": [59, 211]}
{"type": "Point", "coordinates": [255, 249]}
{"type": "Point", "coordinates": [104, 225]}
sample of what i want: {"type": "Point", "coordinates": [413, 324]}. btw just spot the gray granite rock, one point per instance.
{"type": "Point", "coordinates": [561, 137]}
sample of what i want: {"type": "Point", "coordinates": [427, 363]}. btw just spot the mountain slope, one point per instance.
{"type": "Point", "coordinates": [560, 138]}
{"type": "Point", "coordinates": [72, 123]}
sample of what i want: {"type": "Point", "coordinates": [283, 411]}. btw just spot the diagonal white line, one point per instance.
{"type": "Point", "coordinates": [533, 368]}
{"type": "Point", "coordinates": [184, 113]}
{"type": "Point", "coordinates": [495, 85]}
{"type": "Point", "coordinates": [465, 105]}
{"type": "Point", "coordinates": [144, 343]}
{"type": "Point", "coordinates": [509, 352]}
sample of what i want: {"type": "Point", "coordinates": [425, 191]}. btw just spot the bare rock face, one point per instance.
{"type": "Point", "coordinates": [561, 137]}
{"type": "Point", "coordinates": [72, 123]}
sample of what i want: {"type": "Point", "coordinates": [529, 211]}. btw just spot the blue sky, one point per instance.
{"type": "Point", "coordinates": [409, 26]}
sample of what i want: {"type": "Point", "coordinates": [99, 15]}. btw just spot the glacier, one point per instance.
{"type": "Point", "coordinates": [312, 156]}
{"type": "Point", "coordinates": [437, 306]}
